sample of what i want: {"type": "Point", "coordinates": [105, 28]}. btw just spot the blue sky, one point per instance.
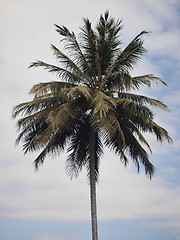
{"type": "Point", "coordinates": [46, 205]}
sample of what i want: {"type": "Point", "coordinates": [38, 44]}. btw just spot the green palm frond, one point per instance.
{"type": "Point", "coordinates": [101, 103]}
{"type": "Point", "coordinates": [143, 100]}
{"type": "Point", "coordinates": [118, 82]}
{"type": "Point", "coordinates": [146, 80]}
{"type": "Point", "coordinates": [61, 72]}
{"type": "Point", "coordinates": [53, 87]}
{"type": "Point", "coordinates": [88, 45]}
{"type": "Point", "coordinates": [33, 118]}
{"type": "Point", "coordinates": [29, 135]}
{"type": "Point", "coordinates": [78, 148]}
{"type": "Point", "coordinates": [161, 133]}
{"type": "Point", "coordinates": [116, 143]}
{"type": "Point", "coordinates": [137, 153]}
{"type": "Point", "coordinates": [128, 57]}
{"type": "Point", "coordinates": [72, 46]}
{"type": "Point", "coordinates": [112, 125]}
{"type": "Point", "coordinates": [128, 109]}
{"type": "Point", "coordinates": [37, 104]}
{"type": "Point", "coordinates": [55, 145]}
{"type": "Point", "coordinates": [66, 114]}
{"type": "Point", "coordinates": [77, 91]}
{"type": "Point", "coordinates": [107, 41]}
{"type": "Point", "coordinates": [135, 130]}
{"type": "Point", "coordinates": [132, 53]}
{"type": "Point", "coordinates": [148, 125]}
{"type": "Point", "coordinates": [71, 65]}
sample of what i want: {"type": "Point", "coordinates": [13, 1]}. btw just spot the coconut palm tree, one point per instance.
{"type": "Point", "coordinates": [92, 105]}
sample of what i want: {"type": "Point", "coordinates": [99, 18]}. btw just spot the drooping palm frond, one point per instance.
{"type": "Point", "coordinates": [79, 149]}
{"type": "Point", "coordinates": [29, 134]}
{"type": "Point", "coordinates": [143, 100]}
{"type": "Point", "coordinates": [116, 143]}
{"type": "Point", "coordinates": [55, 145]}
{"type": "Point", "coordinates": [160, 133]}
{"type": "Point", "coordinates": [53, 88]}
{"type": "Point", "coordinates": [98, 152]}
{"type": "Point", "coordinates": [67, 113]}
{"type": "Point", "coordinates": [61, 72]}
{"type": "Point", "coordinates": [101, 103]}
{"type": "Point", "coordinates": [146, 80]}
{"type": "Point", "coordinates": [39, 103]}
{"type": "Point", "coordinates": [33, 118]}
{"type": "Point", "coordinates": [137, 152]}
{"type": "Point", "coordinates": [77, 91]}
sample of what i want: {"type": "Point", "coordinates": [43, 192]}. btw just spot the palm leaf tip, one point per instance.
{"type": "Point", "coordinates": [34, 64]}
{"type": "Point", "coordinates": [39, 160]}
{"type": "Point", "coordinates": [150, 171]}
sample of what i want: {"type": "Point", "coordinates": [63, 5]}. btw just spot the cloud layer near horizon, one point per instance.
{"type": "Point", "coordinates": [122, 194]}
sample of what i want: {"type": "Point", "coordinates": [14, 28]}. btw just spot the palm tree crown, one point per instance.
{"type": "Point", "coordinates": [94, 94]}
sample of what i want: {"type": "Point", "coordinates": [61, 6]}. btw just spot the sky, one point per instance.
{"type": "Point", "coordinates": [47, 205]}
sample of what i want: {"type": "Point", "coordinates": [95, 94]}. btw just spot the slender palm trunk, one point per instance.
{"type": "Point", "coordinates": [93, 187]}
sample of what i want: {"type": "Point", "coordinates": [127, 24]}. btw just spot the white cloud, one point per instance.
{"type": "Point", "coordinates": [122, 194]}
{"type": "Point", "coordinates": [174, 97]}
{"type": "Point", "coordinates": [165, 44]}
{"type": "Point", "coordinates": [50, 237]}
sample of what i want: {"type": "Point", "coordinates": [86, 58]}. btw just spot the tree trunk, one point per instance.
{"type": "Point", "coordinates": [93, 187]}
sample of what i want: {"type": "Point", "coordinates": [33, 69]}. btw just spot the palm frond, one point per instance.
{"type": "Point", "coordinates": [130, 109]}
{"type": "Point", "coordinates": [98, 152]}
{"type": "Point", "coordinates": [101, 103]}
{"type": "Point", "coordinates": [118, 82]}
{"type": "Point", "coordinates": [66, 114]}
{"type": "Point", "coordinates": [77, 91]}
{"type": "Point", "coordinates": [88, 45]}
{"type": "Point", "coordinates": [146, 80]}
{"type": "Point", "coordinates": [107, 40]}
{"type": "Point", "coordinates": [53, 87]}
{"type": "Point", "coordinates": [128, 57]}
{"type": "Point", "coordinates": [148, 125]}
{"type": "Point", "coordinates": [54, 146]}
{"type": "Point", "coordinates": [135, 130]}
{"type": "Point", "coordinates": [61, 72]}
{"type": "Point", "coordinates": [73, 46]}
{"type": "Point", "coordinates": [33, 118]}
{"type": "Point", "coordinates": [37, 104]}
{"type": "Point", "coordinates": [137, 152]}
{"type": "Point", "coordinates": [71, 65]}
{"type": "Point", "coordinates": [143, 100]}
{"type": "Point", "coordinates": [112, 125]}
{"type": "Point", "coordinates": [116, 143]}
{"type": "Point", "coordinates": [29, 135]}
{"type": "Point", "coordinates": [161, 133]}
{"type": "Point", "coordinates": [78, 148]}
